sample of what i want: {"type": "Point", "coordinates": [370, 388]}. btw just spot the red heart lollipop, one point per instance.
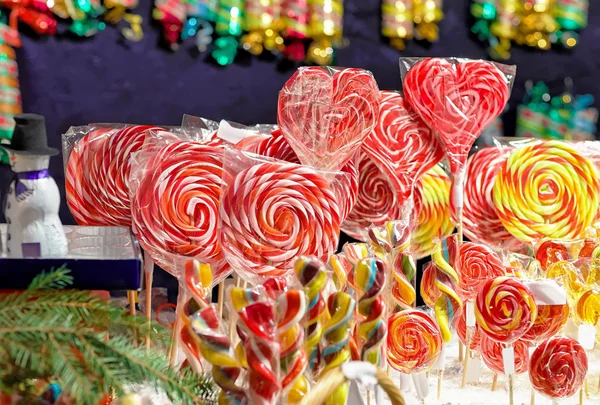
{"type": "Point", "coordinates": [457, 99]}
{"type": "Point", "coordinates": [325, 113]}
{"type": "Point", "coordinates": [401, 144]}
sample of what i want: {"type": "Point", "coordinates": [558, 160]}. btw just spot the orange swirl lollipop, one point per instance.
{"type": "Point", "coordinates": [505, 309]}
{"type": "Point", "coordinates": [491, 354]}
{"type": "Point", "coordinates": [476, 264]}
{"type": "Point", "coordinates": [414, 341]}
{"type": "Point", "coordinates": [547, 189]}
{"type": "Point", "coordinates": [588, 307]}
{"type": "Point", "coordinates": [432, 197]}
{"type": "Point", "coordinates": [550, 252]}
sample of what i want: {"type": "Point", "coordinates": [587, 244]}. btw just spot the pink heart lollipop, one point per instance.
{"type": "Point", "coordinates": [325, 113]}
{"type": "Point", "coordinates": [401, 144]}
{"type": "Point", "coordinates": [457, 99]}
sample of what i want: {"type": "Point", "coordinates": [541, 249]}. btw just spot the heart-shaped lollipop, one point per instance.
{"type": "Point", "coordinates": [325, 113]}
{"type": "Point", "coordinates": [401, 144]}
{"type": "Point", "coordinates": [457, 99]}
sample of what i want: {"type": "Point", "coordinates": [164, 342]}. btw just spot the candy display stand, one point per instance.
{"type": "Point", "coordinates": [99, 257]}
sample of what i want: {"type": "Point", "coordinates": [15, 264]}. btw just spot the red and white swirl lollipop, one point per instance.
{"type": "Point", "coordinates": [272, 213]}
{"type": "Point", "coordinates": [325, 113]}
{"type": "Point", "coordinates": [175, 208]}
{"type": "Point", "coordinates": [97, 175]}
{"type": "Point", "coordinates": [401, 144]}
{"type": "Point", "coordinates": [457, 99]}
{"type": "Point", "coordinates": [558, 367]}
{"type": "Point", "coordinates": [476, 264]}
{"type": "Point", "coordinates": [376, 203]}
{"type": "Point", "coordinates": [480, 219]}
{"type": "Point", "coordinates": [491, 354]}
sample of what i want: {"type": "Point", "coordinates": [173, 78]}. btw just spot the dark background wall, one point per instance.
{"type": "Point", "coordinates": [102, 79]}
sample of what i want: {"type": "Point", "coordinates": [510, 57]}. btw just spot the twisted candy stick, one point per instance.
{"type": "Point", "coordinates": [433, 219]}
{"type": "Point", "coordinates": [505, 309]}
{"type": "Point", "coordinates": [97, 175]}
{"type": "Point", "coordinates": [448, 302]}
{"type": "Point", "coordinates": [291, 309]}
{"type": "Point", "coordinates": [349, 101]}
{"type": "Point", "coordinates": [337, 337]}
{"type": "Point", "coordinates": [377, 201]}
{"type": "Point", "coordinates": [369, 278]}
{"type": "Point", "coordinates": [312, 275]}
{"type": "Point", "coordinates": [560, 198]}
{"type": "Point", "coordinates": [175, 208]}
{"type": "Point", "coordinates": [274, 212]}
{"type": "Point", "coordinates": [340, 267]}
{"type": "Point", "coordinates": [457, 99]}
{"type": "Point", "coordinates": [480, 219]}
{"type": "Point", "coordinates": [401, 144]}
{"type": "Point", "coordinates": [262, 352]}
{"type": "Point", "coordinates": [476, 264]}
{"type": "Point", "coordinates": [414, 341]}
{"type": "Point", "coordinates": [491, 354]}
{"type": "Point", "coordinates": [558, 367]}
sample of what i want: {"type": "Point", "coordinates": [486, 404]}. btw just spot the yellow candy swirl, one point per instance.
{"type": "Point", "coordinates": [337, 337]}
{"type": "Point", "coordinates": [448, 302]}
{"type": "Point", "coordinates": [546, 189]}
{"type": "Point", "coordinates": [588, 307]}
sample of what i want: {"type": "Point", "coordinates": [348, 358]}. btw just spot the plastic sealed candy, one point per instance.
{"type": "Point", "coordinates": [460, 324]}
{"type": "Point", "coordinates": [336, 334]}
{"type": "Point", "coordinates": [414, 341]}
{"type": "Point", "coordinates": [549, 321]}
{"type": "Point", "coordinates": [97, 169]}
{"type": "Point", "coordinates": [370, 281]}
{"type": "Point", "coordinates": [491, 354]}
{"type": "Point", "coordinates": [272, 212]}
{"type": "Point", "coordinates": [567, 274]}
{"type": "Point", "coordinates": [476, 264]}
{"type": "Point", "coordinates": [175, 196]}
{"type": "Point", "coordinates": [325, 113]}
{"type": "Point", "coordinates": [505, 309]}
{"type": "Point", "coordinates": [559, 200]}
{"type": "Point", "coordinates": [434, 222]}
{"type": "Point", "coordinates": [550, 252]}
{"type": "Point", "coordinates": [457, 98]}
{"type": "Point", "coordinates": [558, 367]}
{"type": "Point", "coordinates": [588, 307]}
{"type": "Point", "coordinates": [401, 144]}
{"type": "Point", "coordinates": [480, 220]}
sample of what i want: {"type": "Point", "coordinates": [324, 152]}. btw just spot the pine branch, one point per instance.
{"type": "Point", "coordinates": [54, 279]}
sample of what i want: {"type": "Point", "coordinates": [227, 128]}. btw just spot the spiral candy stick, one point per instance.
{"type": "Point", "coordinates": [312, 275]}
{"type": "Point", "coordinates": [336, 333]}
{"type": "Point", "coordinates": [291, 309]}
{"type": "Point", "coordinates": [448, 302]}
{"type": "Point", "coordinates": [369, 278]}
{"type": "Point", "coordinates": [262, 352]}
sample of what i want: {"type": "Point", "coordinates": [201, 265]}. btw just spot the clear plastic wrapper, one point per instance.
{"type": "Point", "coordinates": [197, 128]}
{"type": "Point", "coordinates": [457, 98]}
{"type": "Point", "coordinates": [97, 168]}
{"type": "Point", "coordinates": [273, 212]}
{"type": "Point", "coordinates": [175, 189]}
{"type": "Point", "coordinates": [325, 113]}
{"type": "Point", "coordinates": [558, 367]}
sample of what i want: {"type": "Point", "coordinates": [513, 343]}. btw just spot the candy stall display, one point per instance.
{"type": "Point", "coordinates": [517, 287]}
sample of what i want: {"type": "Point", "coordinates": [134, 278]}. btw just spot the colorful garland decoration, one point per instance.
{"type": "Point", "coordinates": [532, 23]}
{"type": "Point", "coordinates": [403, 20]}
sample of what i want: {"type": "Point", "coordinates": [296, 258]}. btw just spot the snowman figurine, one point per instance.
{"type": "Point", "coordinates": [32, 202]}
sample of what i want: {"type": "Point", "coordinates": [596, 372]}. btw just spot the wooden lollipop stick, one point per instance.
{"type": "Point", "coordinates": [494, 382]}
{"type": "Point", "coordinates": [511, 389]}
{"type": "Point", "coordinates": [221, 298]}
{"type": "Point", "coordinates": [148, 280]}
{"type": "Point", "coordinates": [467, 356]}
{"type": "Point", "coordinates": [132, 298]}
{"type": "Point", "coordinates": [532, 401]}
{"type": "Point", "coordinates": [461, 349]}
{"type": "Point", "coordinates": [439, 384]}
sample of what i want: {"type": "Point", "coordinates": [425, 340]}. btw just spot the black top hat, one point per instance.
{"type": "Point", "coordinates": [29, 137]}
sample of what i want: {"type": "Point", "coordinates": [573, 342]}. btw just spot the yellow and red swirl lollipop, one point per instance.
{"type": "Point", "coordinates": [432, 197]}
{"type": "Point", "coordinates": [505, 309]}
{"type": "Point", "coordinates": [414, 341]}
{"type": "Point", "coordinates": [476, 264]}
{"type": "Point", "coordinates": [547, 189]}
